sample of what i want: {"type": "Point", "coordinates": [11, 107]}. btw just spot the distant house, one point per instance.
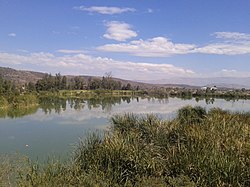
{"type": "Point", "coordinates": [214, 88]}
{"type": "Point", "coordinates": [204, 88]}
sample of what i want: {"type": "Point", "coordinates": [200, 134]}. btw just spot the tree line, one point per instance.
{"type": "Point", "coordinates": [59, 82]}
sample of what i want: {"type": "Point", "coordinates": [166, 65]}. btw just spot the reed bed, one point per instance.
{"type": "Point", "coordinates": [198, 148]}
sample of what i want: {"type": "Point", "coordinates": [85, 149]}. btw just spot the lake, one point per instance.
{"type": "Point", "coordinates": [55, 126]}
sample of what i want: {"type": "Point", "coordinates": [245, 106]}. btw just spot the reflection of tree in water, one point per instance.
{"type": "Point", "coordinates": [126, 99]}
{"type": "Point", "coordinates": [209, 101]}
{"type": "Point", "coordinates": [17, 112]}
{"type": "Point", "coordinates": [47, 104]}
{"type": "Point", "coordinates": [106, 103]}
{"type": "Point", "coordinates": [56, 104]}
{"type": "Point", "coordinates": [76, 103]}
{"type": "Point", "coordinates": [157, 100]}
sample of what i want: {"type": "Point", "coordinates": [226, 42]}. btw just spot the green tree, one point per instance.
{"type": "Point", "coordinates": [64, 83]}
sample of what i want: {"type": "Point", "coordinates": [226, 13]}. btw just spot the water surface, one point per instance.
{"type": "Point", "coordinates": [56, 125]}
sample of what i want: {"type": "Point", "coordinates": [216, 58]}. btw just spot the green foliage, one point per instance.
{"type": "Point", "coordinates": [22, 101]}
{"type": "Point", "coordinates": [50, 83]}
{"type": "Point", "coordinates": [18, 105]}
{"type": "Point", "coordinates": [3, 102]}
{"type": "Point", "coordinates": [189, 114]}
{"type": "Point", "coordinates": [17, 112]}
{"type": "Point", "coordinates": [7, 87]}
{"type": "Point", "coordinates": [106, 83]}
{"type": "Point", "coordinates": [145, 151]}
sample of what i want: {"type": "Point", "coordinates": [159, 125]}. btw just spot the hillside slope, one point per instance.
{"type": "Point", "coordinates": [20, 76]}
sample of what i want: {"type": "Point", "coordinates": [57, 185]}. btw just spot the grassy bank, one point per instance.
{"type": "Point", "coordinates": [18, 101]}
{"type": "Point", "coordinates": [91, 93]}
{"type": "Point", "coordinates": [198, 148]}
{"type": "Point", "coordinates": [27, 103]}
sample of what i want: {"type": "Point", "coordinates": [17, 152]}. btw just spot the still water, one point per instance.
{"type": "Point", "coordinates": [53, 128]}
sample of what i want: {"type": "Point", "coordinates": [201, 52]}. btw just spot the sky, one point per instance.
{"type": "Point", "coordinates": [135, 40]}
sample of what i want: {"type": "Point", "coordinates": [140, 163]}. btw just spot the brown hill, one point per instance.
{"type": "Point", "coordinates": [21, 77]}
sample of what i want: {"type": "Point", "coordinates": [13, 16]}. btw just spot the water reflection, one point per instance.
{"type": "Point", "coordinates": [47, 104]}
{"type": "Point", "coordinates": [57, 123]}
{"type": "Point", "coordinates": [106, 104]}
{"type": "Point", "coordinates": [17, 112]}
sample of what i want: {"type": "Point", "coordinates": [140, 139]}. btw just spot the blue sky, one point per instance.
{"type": "Point", "coordinates": [138, 40]}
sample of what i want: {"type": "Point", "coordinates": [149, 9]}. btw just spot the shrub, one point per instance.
{"type": "Point", "coordinates": [189, 114]}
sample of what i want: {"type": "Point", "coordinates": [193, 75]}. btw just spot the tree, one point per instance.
{"type": "Point", "coordinates": [94, 84]}
{"type": "Point", "coordinates": [127, 87]}
{"type": "Point", "coordinates": [58, 81]}
{"type": "Point", "coordinates": [30, 86]}
{"type": "Point", "coordinates": [64, 83]}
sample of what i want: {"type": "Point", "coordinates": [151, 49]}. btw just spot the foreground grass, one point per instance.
{"type": "Point", "coordinates": [10, 166]}
{"type": "Point", "coordinates": [198, 148]}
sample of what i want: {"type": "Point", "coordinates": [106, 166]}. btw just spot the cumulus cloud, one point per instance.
{"type": "Point", "coordinates": [86, 64]}
{"type": "Point", "coordinates": [155, 47]}
{"type": "Point", "coordinates": [119, 31]}
{"type": "Point", "coordinates": [232, 44]}
{"type": "Point", "coordinates": [12, 34]}
{"type": "Point", "coordinates": [105, 9]}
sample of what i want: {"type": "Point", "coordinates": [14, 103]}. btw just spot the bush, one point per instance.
{"type": "Point", "coordinates": [189, 114]}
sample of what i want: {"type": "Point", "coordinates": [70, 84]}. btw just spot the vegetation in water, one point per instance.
{"type": "Point", "coordinates": [208, 149]}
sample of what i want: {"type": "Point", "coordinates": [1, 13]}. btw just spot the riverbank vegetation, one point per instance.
{"type": "Point", "coordinates": [22, 101]}
{"type": "Point", "coordinates": [197, 148]}
{"type": "Point", "coordinates": [106, 86]}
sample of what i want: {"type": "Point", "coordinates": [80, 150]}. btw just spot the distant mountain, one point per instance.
{"type": "Point", "coordinates": [21, 77]}
{"type": "Point", "coordinates": [226, 82]}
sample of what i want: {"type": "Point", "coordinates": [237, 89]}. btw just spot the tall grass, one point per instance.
{"type": "Point", "coordinates": [10, 165]}
{"type": "Point", "coordinates": [198, 148]}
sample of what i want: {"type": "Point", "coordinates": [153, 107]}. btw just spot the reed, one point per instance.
{"type": "Point", "coordinates": [198, 148]}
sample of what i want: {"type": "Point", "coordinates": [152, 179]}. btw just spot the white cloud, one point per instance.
{"type": "Point", "coordinates": [90, 65]}
{"type": "Point", "coordinates": [119, 31]}
{"type": "Point", "coordinates": [228, 71]}
{"type": "Point", "coordinates": [232, 44]}
{"type": "Point", "coordinates": [225, 49]}
{"type": "Point", "coordinates": [155, 47]}
{"type": "Point", "coordinates": [105, 9]}
{"type": "Point", "coordinates": [12, 34]}
{"type": "Point", "coordinates": [232, 35]}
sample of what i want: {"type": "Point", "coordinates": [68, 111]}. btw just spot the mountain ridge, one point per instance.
{"type": "Point", "coordinates": [227, 82]}
{"type": "Point", "coordinates": [25, 76]}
